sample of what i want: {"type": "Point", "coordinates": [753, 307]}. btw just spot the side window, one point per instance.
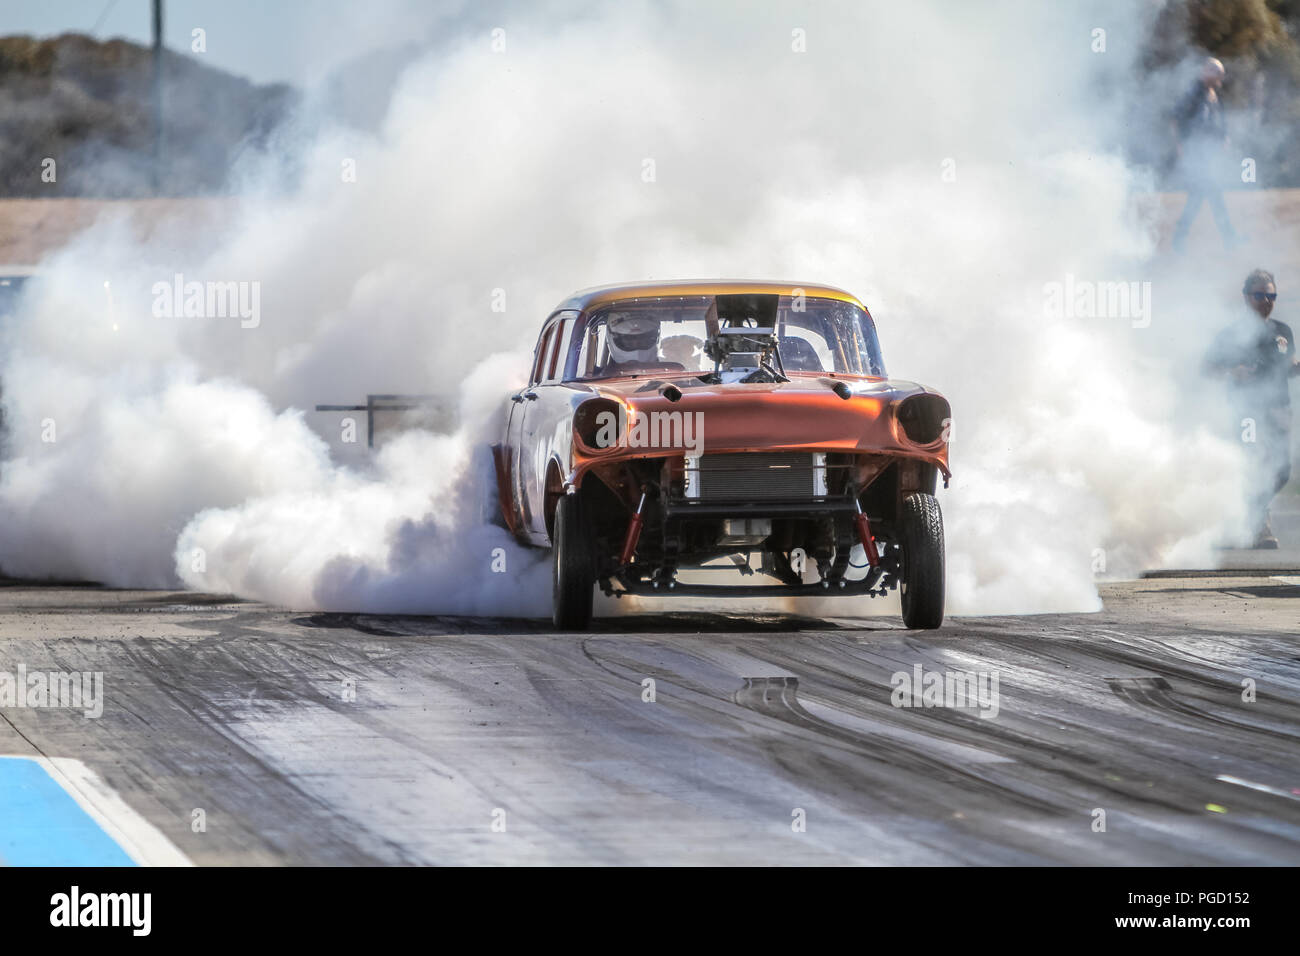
{"type": "Point", "coordinates": [555, 364]}
{"type": "Point", "coordinates": [543, 354]}
{"type": "Point", "coordinates": [593, 350]}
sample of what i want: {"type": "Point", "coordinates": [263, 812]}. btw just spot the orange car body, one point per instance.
{"type": "Point", "coordinates": [542, 457]}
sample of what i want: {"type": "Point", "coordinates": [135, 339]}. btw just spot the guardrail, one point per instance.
{"type": "Point", "coordinates": [383, 403]}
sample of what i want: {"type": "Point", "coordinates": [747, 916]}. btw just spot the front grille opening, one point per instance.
{"type": "Point", "coordinates": [756, 476]}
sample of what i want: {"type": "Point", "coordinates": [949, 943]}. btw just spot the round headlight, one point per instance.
{"type": "Point", "coordinates": [923, 418]}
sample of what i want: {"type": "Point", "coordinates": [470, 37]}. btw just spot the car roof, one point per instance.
{"type": "Point", "coordinates": [602, 295]}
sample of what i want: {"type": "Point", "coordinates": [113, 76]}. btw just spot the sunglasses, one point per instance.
{"type": "Point", "coordinates": [1264, 296]}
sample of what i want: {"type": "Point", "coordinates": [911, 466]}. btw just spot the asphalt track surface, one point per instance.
{"type": "Point", "coordinates": [359, 739]}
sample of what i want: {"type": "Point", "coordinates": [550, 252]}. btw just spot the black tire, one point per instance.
{"type": "Point", "coordinates": [922, 584]}
{"type": "Point", "coordinates": [573, 566]}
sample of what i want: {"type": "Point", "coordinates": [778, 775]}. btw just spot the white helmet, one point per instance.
{"type": "Point", "coordinates": [633, 338]}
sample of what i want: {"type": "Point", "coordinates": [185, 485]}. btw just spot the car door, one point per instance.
{"type": "Point", "coordinates": [545, 411]}
{"type": "Point", "coordinates": [518, 452]}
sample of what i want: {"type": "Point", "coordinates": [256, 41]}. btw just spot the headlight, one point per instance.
{"type": "Point", "coordinates": [923, 418]}
{"type": "Point", "coordinates": [598, 423]}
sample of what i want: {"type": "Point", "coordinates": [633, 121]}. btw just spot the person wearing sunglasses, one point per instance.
{"type": "Point", "coordinates": [1258, 354]}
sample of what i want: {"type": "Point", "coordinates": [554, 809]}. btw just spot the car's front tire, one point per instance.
{"type": "Point", "coordinates": [922, 581]}
{"type": "Point", "coordinates": [573, 566]}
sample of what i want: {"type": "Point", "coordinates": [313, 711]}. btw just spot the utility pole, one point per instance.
{"type": "Point", "coordinates": [157, 96]}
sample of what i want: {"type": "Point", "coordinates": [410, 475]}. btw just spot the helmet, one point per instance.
{"type": "Point", "coordinates": [633, 337]}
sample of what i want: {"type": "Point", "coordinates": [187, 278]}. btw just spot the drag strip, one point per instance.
{"type": "Point", "coordinates": [1162, 730]}
{"type": "Point", "coordinates": [57, 812]}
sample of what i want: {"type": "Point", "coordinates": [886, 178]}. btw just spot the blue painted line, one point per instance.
{"type": "Point", "coordinates": [42, 825]}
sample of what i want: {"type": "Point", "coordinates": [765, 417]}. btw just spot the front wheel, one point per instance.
{"type": "Point", "coordinates": [573, 566]}
{"type": "Point", "coordinates": [922, 579]}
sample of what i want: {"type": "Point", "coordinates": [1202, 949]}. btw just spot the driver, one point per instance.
{"type": "Point", "coordinates": [633, 340]}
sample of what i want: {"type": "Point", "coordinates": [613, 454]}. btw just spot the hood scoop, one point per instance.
{"type": "Point", "coordinates": [839, 387]}
{"type": "Point", "coordinates": [667, 389]}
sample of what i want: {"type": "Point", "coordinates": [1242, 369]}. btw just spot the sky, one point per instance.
{"type": "Point", "coordinates": [294, 41]}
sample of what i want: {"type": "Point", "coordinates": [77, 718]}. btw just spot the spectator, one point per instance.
{"type": "Point", "coordinates": [1202, 140]}
{"type": "Point", "coordinates": [1258, 354]}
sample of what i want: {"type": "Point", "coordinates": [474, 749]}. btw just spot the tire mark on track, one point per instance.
{"type": "Point", "coordinates": [1157, 694]}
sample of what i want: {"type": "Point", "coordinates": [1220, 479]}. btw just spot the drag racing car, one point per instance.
{"type": "Point", "coordinates": [675, 432]}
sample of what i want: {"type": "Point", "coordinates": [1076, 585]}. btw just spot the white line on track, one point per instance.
{"type": "Point", "coordinates": [139, 839]}
{"type": "Point", "coordinates": [1261, 787]}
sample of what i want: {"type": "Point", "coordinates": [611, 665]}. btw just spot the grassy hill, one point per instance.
{"type": "Point", "coordinates": [86, 104]}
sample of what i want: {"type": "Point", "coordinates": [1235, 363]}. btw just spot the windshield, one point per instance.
{"type": "Point", "coordinates": [667, 335]}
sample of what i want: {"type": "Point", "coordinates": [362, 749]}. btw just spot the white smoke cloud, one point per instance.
{"type": "Point", "coordinates": [184, 450]}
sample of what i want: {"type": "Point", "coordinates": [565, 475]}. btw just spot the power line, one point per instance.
{"type": "Point", "coordinates": [108, 8]}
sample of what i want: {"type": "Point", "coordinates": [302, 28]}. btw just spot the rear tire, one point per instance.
{"type": "Point", "coordinates": [922, 580]}
{"type": "Point", "coordinates": [486, 487]}
{"type": "Point", "coordinates": [573, 566]}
